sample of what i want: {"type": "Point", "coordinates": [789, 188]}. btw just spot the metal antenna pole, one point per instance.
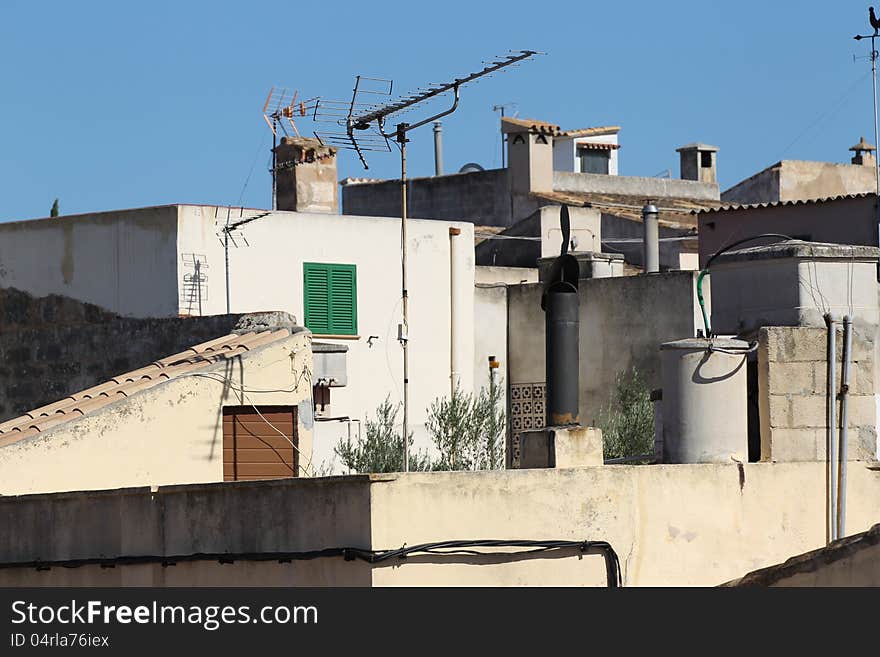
{"type": "Point", "coordinates": [404, 332]}
{"type": "Point", "coordinates": [274, 165]}
{"type": "Point", "coordinates": [874, 54]}
{"type": "Point", "coordinates": [876, 167]}
{"type": "Point", "coordinates": [357, 119]}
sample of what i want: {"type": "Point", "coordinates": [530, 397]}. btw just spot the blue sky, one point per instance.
{"type": "Point", "coordinates": [121, 104]}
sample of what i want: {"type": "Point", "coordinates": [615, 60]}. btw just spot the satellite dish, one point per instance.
{"type": "Point", "coordinates": [471, 167]}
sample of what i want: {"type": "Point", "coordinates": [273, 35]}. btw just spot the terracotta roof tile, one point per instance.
{"type": "Point", "coordinates": [120, 387]}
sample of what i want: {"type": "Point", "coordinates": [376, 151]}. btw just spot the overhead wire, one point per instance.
{"type": "Point", "coordinates": [244, 392]}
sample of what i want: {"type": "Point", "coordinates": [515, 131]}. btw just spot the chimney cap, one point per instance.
{"type": "Point", "coordinates": [863, 146]}
{"type": "Point", "coordinates": [696, 146]}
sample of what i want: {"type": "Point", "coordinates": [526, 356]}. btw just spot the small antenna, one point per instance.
{"type": "Point", "coordinates": [280, 108]}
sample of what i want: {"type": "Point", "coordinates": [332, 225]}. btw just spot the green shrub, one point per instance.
{"type": "Point", "coordinates": [627, 422]}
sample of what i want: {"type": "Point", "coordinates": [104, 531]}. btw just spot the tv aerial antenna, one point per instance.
{"type": "Point", "coordinates": [361, 125]}
{"type": "Point", "coordinates": [279, 110]}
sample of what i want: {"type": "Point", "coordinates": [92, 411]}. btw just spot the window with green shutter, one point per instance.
{"type": "Point", "coordinates": [330, 298]}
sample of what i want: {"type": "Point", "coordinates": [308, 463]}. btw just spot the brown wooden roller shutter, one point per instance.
{"type": "Point", "coordinates": [253, 449]}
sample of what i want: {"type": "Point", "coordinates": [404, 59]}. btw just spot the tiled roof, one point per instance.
{"type": "Point", "coordinates": [776, 204]}
{"type": "Point", "coordinates": [589, 145]}
{"type": "Point", "coordinates": [161, 371]}
{"type": "Point", "coordinates": [591, 132]}
{"type": "Point", "coordinates": [674, 212]}
{"type": "Point", "coordinates": [510, 124]}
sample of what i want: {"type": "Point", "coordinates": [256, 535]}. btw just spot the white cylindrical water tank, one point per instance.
{"type": "Point", "coordinates": [705, 407]}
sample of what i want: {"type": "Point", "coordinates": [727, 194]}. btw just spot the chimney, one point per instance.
{"type": "Point", "coordinates": [305, 176]}
{"type": "Point", "coordinates": [863, 154]}
{"type": "Point", "coordinates": [699, 162]}
{"type": "Point", "coordinates": [529, 154]}
{"type": "Point", "coordinates": [438, 148]}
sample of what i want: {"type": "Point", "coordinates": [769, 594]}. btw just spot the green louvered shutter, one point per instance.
{"type": "Point", "coordinates": [343, 300]}
{"type": "Point", "coordinates": [330, 299]}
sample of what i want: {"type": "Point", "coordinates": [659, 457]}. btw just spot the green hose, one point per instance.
{"type": "Point", "coordinates": [703, 273]}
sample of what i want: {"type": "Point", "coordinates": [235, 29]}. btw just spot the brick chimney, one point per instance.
{"type": "Point", "coordinates": [305, 176]}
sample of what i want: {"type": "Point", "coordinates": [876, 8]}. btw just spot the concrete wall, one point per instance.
{"type": "Point", "coordinates": [804, 289]}
{"type": "Point", "coordinates": [169, 434]}
{"type": "Point", "coordinates": [481, 197]}
{"type": "Point", "coordinates": [126, 261]}
{"type": "Point", "coordinates": [671, 525]}
{"type": "Point", "coordinates": [172, 521]}
{"type": "Point", "coordinates": [792, 180]}
{"type": "Point", "coordinates": [842, 221]}
{"type": "Point", "coordinates": [792, 387]}
{"type": "Point", "coordinates": [633, 186]}
{"type": "Point", "coordinates": [51, 347]}
{"type": "Point", "coordinates": [623, 321]}
{"type": "Point", "coordinates": [268, 274]}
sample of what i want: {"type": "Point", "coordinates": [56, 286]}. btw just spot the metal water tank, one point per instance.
{"type": "Point", "coordinates": [705, 400]}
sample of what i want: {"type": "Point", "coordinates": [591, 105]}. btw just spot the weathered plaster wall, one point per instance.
{"type": "Point", "coordinates": [623, 321]}
{"type": "Point", "coordinates": [480, 197]}
{"type": "Point", "coordinates": [181, 520]}
{"type": "Point", "coordinates": [671, 525]}
{"type": "Point", "coordinates": [792, 180]}
{"type": "Point", "coordinates": [125, 261]}
{"type": "Point", "coordinates": [792, 388]}
{"type": "Point", "coordinates": [53, 346]}
{"type": "Point", "coordinates": [169, 434]}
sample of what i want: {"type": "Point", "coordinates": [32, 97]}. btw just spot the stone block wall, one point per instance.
{"type": "Point", "coordinates": [53, 346]}
{"type": "Point", "coordinates": [792, 389]}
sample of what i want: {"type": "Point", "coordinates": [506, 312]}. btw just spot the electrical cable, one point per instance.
{"type": "Point", "coordinates": [244, 392]}
{"type": "Point", "coordinates": [439, 548]}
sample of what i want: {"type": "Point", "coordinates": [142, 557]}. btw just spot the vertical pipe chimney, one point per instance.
{"type": "Point", "coordinates": [438, 148]}
{"type": "Point", "coordinates": [651, 259]}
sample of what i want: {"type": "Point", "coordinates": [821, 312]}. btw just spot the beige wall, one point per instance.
{"type": "Point", "coordinates": [670, 525]}
{"type": "Point", "coordinates": [169, 434]}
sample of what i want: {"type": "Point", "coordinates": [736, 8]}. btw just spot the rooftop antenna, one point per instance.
{"type": "Point", "coordinates": [875, 25]}
{"type": "Point", "coordinates": [280, 108]}
{"type": "Point", "coordinates": [363, 128]}
{"type": "Point", "coordinates": [501, 108]}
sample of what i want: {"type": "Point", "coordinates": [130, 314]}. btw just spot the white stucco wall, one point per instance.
{"type": "Point", "coordinates": [268, 275]}
{"type": "Point", "coordinates": [124, 261]}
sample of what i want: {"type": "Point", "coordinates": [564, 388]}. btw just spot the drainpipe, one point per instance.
{"type": "Point", "coordinates": [453, 375]}
{"type": "Point", "coordinates": [651, 259]}
{"type": "Point", "coordinates": [844, 422]}
{"type": "Point", "coordinates": [831, 424]}
{"type": "Point", "coordinates": [438, 148]}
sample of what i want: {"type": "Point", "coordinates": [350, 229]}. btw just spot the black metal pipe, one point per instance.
{"type": "Point", "coordinates": [562, 359]}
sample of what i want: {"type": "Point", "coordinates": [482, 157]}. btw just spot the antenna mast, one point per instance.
{"type": "Point", "coordinates": [364, 129]}
{"type": "Point", "coordinates": [874, 54]}
{"type": "Point", "coordinates": [280, 105]}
